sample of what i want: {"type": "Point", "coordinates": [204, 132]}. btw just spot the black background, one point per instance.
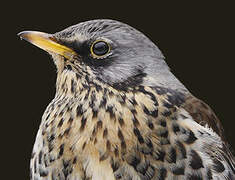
{"type": "Point", "coordinates": [197, 40]}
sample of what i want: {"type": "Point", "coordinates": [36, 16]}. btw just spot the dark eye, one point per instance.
{"type": "Point", "coordinates": [100, 48]}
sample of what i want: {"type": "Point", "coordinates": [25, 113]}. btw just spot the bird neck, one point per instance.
{"type": "Point", "coordinates": [160, 75]}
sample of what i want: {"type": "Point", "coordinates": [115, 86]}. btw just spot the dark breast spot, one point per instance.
{"type": "Point", "coordinates": [178, 170]}
{"type": "Point", "coordinates": [78, 76]}
{"type": "Point", "coordinates": [83, 123]}
{"type": "Point", "coordinates": [164, 141]}
{"type": "Point", "coordinates": [196, 161]}
{"type": "Point", "coordinates": [103, 102]}
{"type": "Point", "coordinates": [66, 168]}
{"type": "Point", "coordinates": [162, 132]}
{"type": "Point", "coordinates": [94, 113]}
{"type": "Point", "coordinates": [152, 96]}
{"type": "Point", "coordinates": [72, 86]}
{"type": "Point", "coordinates": [114, 164]}
{"type": "Point", "coordinates": [123, 145]}
{"type": "Point", "coordinates": [175, 128]}
{"type": "Point", "coordinates": [147, 171]}
{"type": "Point", "coordinates": [138, 135]}
{"type": "Point", "coordinates": [133, 111]}
{"type": "Point", "coordinates": [97, 87]}
{"type": "Point", "coordinates": [68, 67]}
{"type": "Point", "coordinates": [35, 165]}
{"type": "Point", "coordinates": [66, 132]}
{"type": "Point", "coordinates": [61, 122]}
{"type": "Point", "coordinates": [79, 110]}
{"type": "Point", "coordinates": [145, 109]}
{"type": "Point", "coordinates": [121, 122]}
{"type": "Point", "coordinates": [116, 152]}
{"type": "Point", "coordinates": [162, 173]}
{"type": "Point", "coordinates": [43, 172]}
{"type": "Point", "coordinates": [153, 113]}
{"type": "Point", "coordinates": [40, 157]}
{"type": "Point", "coordinates": [194, 177]}
{"type": "Point", "coordinates": [190, 137]}
{"type": "Point", "coordinates": [111, 112]}
{"type": "Point", "coordinates": [171, 155]}
{"type": "Point", "coordinates": [133, 101]}
{"type": "Point", "coordinates": [105, 133]}
{"type": "Point", "coordinates": [121, 137]}
{"type": "Point", "coordinates": [218, 166]}
{"type": "Point", "coordinates": [162, 123]}
{"type": "Point", "coordinates": [159, 155]}
{"type": "Point", "coordinates": [176, 98]}
{"type": "Point", "coordinates": [181, 150]}
{"type": "Point", "coordinates": [84, 145]}
{"type": "Point", "coordinates": [142, 167]}
{"type": "Point", "coordinates": [108, 145]}
{"type": "Point", "coordinates": [99, 124]}
{"type": "Point", "coordinates": [122, 99]}
{"type": "Point", "coordinates": [61, 112]}
{"type": "Point", "coordinates": [166, 113]}
{"type": "Point", "coordinates": [149, 143]}
{"type": "Point", "coordinates": [150, 125]}
{"type": "Point", "coordinates": [70, 120]}
{"type": "Point", "coordinates": [135, 121]}
{"type": "Point", "coordinates": [103, 156]}
{"type": "Point", "coordinates": [74, 160]}
{"type": "Point", "coordinates": [133, 160]}
{"type": "Point", "coordinates": [167, 105]}
{"type": "Point", "coordinates": [61, 150]}
{"type": "Point", "coordinates": [209, 174]}
{"type": "Point", "coordinates": [32, 155]}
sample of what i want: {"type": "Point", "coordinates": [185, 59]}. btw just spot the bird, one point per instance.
{"type": "Point", "coordinates": [120, 113]}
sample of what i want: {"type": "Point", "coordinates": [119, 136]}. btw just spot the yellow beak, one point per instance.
{"type": "Point", "coordinates": [47, 42]}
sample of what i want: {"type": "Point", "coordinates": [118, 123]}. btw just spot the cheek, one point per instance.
{"type": "Point", "coordinates": [116, 72]}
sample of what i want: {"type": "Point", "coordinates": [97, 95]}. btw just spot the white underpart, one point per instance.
{"type": "Point", "coordinates": [98, 170]}
{"type": "Point", "coordinates": [209, 141]}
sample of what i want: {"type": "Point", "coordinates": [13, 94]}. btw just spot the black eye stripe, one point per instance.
{"type": "Point", "coordinates": [100, 48]}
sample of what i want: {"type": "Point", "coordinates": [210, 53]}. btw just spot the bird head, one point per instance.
{"type": "Point", "coordinates": [108, 51]}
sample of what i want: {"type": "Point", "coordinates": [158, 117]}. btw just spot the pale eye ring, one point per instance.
{"type": "Point", "coordinates": [100, 48]}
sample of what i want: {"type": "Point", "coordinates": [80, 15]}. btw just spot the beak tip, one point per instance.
{"type": "Point", "coordinates": [19, 34]}
{"type": "Point", "coordinates": [22, 35]}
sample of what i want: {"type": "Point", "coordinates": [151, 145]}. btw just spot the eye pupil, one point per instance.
{"type": "Point", "coordinates": [100, 48]}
